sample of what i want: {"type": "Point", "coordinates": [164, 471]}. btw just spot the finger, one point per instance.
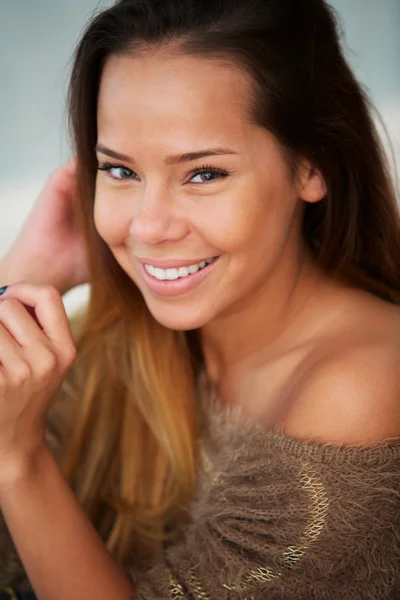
{"type": "Point", "coordinates": [19, 322]}
{"type": "Point", "coordinates": [11, 353]}
{"type": "Point", "coordinates": [66, 174]}
{"type": "Point", "coordinates": [62, 182]}
{"type": "Point", "coordinates": [71, 166]}
{"type": "Point", "coordinates": [32, 352]}
{"type": "Point", "coordinates": [49, 310]}
{"type": "Point", "coordinates": [19, 365]}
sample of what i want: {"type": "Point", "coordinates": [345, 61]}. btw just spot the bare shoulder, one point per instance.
{"type": "Point", "coordinates": [350, 391]}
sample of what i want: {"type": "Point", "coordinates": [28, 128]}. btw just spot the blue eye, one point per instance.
{"type": "Point", "coordinates": [124, 172]}
{"type": "Point", "coordinates": [206, 173]}
{"type": "Point", "coordinates": [206, 170]}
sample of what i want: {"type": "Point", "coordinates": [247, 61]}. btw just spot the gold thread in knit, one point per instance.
{"type": "Point", "coordinates": [318, 508]}
{"type": "Point", "coordinates": [319, 504]}
{"type": "Point", "coordinates": [176, 591]}
{"type": "Point", "coordinates": [259, 575]}
{"type": "Point", "coordinates": [209, 467]}
{"type": "Point", "coordinates": [10, 592]}
{"type": "Point", "coordinates": [197, 587]}
{"type": "Point", "coordinates": [318, 511]}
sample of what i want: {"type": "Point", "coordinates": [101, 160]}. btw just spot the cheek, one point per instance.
{"type": "Point", "coordinates": [111, 224]}
{"type": "Point", "coordinates": [241, 221]}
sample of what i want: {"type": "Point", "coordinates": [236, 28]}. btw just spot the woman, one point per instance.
{"type": "Point", "coordinates": [231, 424]}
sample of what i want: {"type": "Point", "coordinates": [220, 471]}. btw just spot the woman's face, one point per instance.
{"type": "Point", "coordinates": [191, 180]}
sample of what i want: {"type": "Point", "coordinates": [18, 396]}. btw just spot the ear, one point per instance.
{"type": "Point", "coordinates": [310, 184]}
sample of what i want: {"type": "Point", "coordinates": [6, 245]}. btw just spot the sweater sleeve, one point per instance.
{"type": "Point", "coordinates": [274, 517]}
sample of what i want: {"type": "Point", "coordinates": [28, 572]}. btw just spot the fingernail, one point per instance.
{"type": "Point", "coordinates": [3, 289]}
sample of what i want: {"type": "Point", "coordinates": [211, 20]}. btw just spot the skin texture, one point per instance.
{"type": "Point", "coordinates": [50, 230]}
{"type": "Point", "coordinates": [36, 351]}
{"type": "Point", "coordinates": [249, 219]}
{"type": "Point", "coordinates": [279, 337]}
{"type": "Point", "coordinates": [271, 322]}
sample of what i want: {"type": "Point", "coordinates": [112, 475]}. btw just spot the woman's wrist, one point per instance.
{"type": "Point", "coordinates": [62, 553]}
{"type": "Point", "coordinates": [19, 466]}
{"type": "Point", "coordinates": [13, 270]}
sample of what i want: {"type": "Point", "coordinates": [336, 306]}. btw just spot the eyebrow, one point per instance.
{"type": "Point", "coordinates": [169, 160]}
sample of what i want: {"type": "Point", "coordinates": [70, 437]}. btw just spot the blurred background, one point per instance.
{"type": "Point", "coordinates": [37, 40]}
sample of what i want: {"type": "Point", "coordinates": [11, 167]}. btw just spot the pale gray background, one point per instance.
{"type": "Point", "coordinates": [37, 39]}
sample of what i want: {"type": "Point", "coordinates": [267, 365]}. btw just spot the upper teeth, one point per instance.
{"type": "Point", "coordinates": [171, 274]}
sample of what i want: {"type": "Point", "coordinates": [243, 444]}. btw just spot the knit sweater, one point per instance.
{"type": "Point", "coordinates": [277, 517]}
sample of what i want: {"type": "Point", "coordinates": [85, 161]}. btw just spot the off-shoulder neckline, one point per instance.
{"type": "Point", "coordinates": [231, 422]}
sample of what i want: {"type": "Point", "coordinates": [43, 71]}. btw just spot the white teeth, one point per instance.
{"type": "Point", "coordinates": [193, 269]}
{"type": "Point", "coordinates": [150, 269]}
{"type": "Point", "coordinates": [183, 272]}
{"type": "Point", "coordinates": [172, 274]}
{"type": "Point", "coordinates": [159, 274]}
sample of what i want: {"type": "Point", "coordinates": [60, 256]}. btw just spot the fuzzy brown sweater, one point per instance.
{"type": "Point", "coordinates": [275, 517]}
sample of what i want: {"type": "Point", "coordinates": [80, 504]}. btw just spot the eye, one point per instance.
{"type": "Point", "coordinates": [116, 172]}
{"type": "Point", "coordinates": [205, 174]}
{"type": "Point", "coordinates": [208, 174]}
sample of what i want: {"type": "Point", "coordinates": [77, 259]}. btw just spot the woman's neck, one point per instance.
{"type": "Point", "coordinates": [277, 317]}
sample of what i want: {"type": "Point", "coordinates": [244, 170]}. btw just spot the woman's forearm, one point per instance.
{"type": "Point", "coordinates": [8, 273]}
{"type": "Point", "coordinates": [13, 271]}
{"type": "Point", "coordinates": [63, 555]}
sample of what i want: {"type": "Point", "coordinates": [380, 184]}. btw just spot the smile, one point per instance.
{"type": "Point", "coordinates": [176, 280]}
{"type": "Point", "coordinates": [176, 273]}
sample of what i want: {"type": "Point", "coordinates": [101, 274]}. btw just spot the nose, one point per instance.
{"type": "Point", "coordinates": [156, 218]}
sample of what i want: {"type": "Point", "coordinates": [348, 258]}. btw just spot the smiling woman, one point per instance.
{"type": "Point", "coordinates": [231, 424]}
{"type": "Point", "coordinates": [243, 213]}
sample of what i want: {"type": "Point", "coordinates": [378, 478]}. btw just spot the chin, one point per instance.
{"type": "Point", "coordinates": [179, 319]}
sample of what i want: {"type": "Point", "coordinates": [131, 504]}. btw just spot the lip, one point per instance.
{"type": "Point", "coordinates": [176, 286]}
{"type": "Point", "coordinates": [170, 263]}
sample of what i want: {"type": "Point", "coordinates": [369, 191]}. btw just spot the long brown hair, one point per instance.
{"type": "Point", "coordinates": [131, 454]}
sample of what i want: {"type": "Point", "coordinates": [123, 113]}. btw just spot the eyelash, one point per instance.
{"type": "Point", "coordinates": [222, 173]}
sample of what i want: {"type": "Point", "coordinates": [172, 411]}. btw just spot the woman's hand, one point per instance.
{"type": "Point", "coordinates": [36, 352]}
{"type": "Point", "coordinates": [63, 555]}
{"type": "Point", "coordinates": [49, 249]}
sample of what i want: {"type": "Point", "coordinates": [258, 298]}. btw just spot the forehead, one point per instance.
{"type": "Point", "coordinates": [155, 95]}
